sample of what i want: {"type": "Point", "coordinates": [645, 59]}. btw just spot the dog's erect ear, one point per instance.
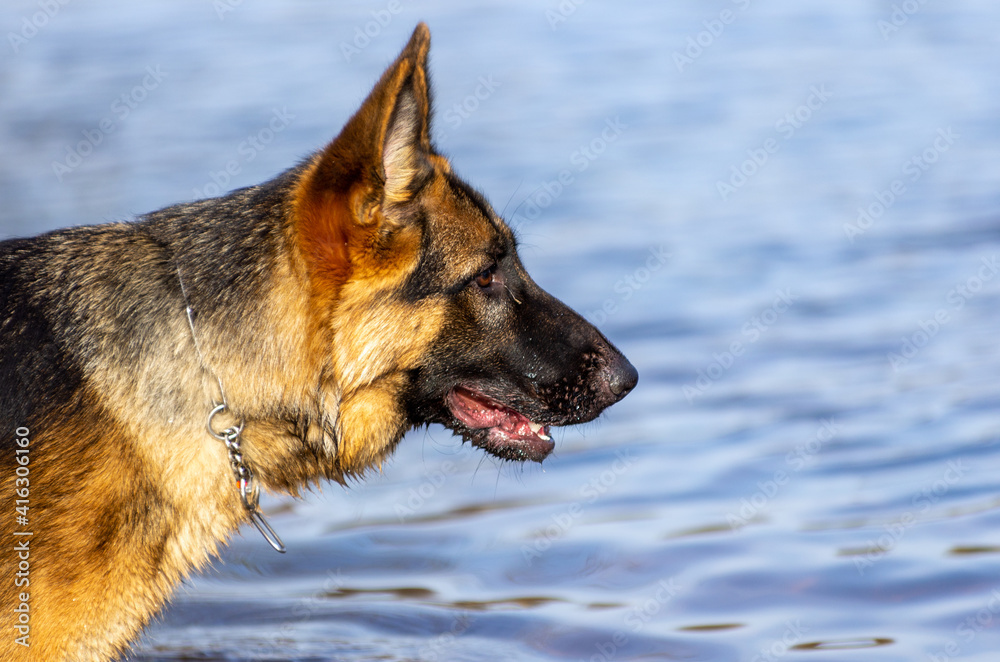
{"type": "Point", "coordinates": [395, 119]}
{"type": "Point", "coordinates": [381, 158]}
{"type": "Point", "coordinates": [406, 139]}
{"type": "Point", "coordinates": [403, 147]}
{"type": "Point", "coordinates": [385, 145]}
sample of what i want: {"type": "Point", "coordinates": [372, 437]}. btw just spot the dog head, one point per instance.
{"type": "Point", "coordinates": [430, 315]}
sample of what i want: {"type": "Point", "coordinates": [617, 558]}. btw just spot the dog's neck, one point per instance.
{"type": "Point", "coordinates": [245, 482]}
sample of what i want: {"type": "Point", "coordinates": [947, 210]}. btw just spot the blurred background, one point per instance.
{"type": "Point", "coordinates": [784, 213]}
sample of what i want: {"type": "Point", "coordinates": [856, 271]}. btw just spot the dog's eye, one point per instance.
{"type": "Point", "coordinates": [485, 277]}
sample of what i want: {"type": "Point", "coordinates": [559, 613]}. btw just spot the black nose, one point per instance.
{"type": "Point", "coordinates": [622, 377]}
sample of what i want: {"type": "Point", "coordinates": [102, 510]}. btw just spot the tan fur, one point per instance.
{"type": "Point", "coordinates": [81, 556]}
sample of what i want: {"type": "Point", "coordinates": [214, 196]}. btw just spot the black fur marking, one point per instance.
{"type": "Point", "coordinates": [462, 189]}
{"type": "Point", "coordinates": [35, 373]}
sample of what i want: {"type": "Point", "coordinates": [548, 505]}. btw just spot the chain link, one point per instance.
{"type": "Point", "coordinates": [249, 490]}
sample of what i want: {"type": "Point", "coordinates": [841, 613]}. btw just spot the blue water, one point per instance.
{"type": "Point", "coordinates": [809, 467]}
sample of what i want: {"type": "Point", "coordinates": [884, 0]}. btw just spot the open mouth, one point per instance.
{"type": "Point", "coordinates": [497, 428]}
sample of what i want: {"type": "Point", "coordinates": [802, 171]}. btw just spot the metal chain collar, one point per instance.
{"type": "Point", "coordinates": [249, 490]}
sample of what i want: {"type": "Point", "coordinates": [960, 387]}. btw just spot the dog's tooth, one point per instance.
{"type": "Point", "coordinates": [536, 429]}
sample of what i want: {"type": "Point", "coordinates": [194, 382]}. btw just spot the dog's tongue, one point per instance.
{"type": "Point", "coordinates": [511, 434]}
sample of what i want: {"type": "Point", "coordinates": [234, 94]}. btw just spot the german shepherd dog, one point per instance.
{"type": "Point", "coordinates": [318, 316]}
